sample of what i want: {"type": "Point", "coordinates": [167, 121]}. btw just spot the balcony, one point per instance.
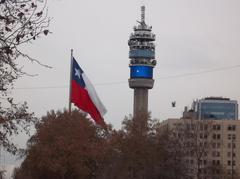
{"type": "Point", "coordinates": [146, 36]}
{"type": "Point", "coordinates": [142, 53]}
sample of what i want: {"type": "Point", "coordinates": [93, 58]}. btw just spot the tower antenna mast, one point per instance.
{"type": "Point", "coordinates": [143, 14]}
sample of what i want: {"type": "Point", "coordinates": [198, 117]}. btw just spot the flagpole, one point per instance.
{"type": "Point", "coordinates": [70, 81]}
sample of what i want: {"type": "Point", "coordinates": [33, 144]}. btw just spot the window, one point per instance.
{"type": "Point", "coordinates": [218, 145]}
{"type": "Point", "coordinates": [229, 162]}
{"type": "Point", "coordinates": [232, 127]}
{"type": "Point", "coordinates": [216, 127]}
{"type": "Point", "coordinates": [218, 136]}
{"type": "Point", "coordinates": [232, 136]}
{"type": "Point", "coordinates": [231, 145]}
{"type": "Point", "coordinates": [231, 154]}
{"type": "Point", "coordinates": [216, 154]}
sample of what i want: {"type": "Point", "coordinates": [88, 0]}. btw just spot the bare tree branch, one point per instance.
{"type": "Point", "coordinates": [21, 22]}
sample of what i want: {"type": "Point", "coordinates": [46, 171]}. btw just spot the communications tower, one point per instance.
{"type": "Point", "coordinates": [142, 61]}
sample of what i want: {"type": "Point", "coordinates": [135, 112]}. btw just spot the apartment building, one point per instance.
{"type": "Point", "coordinates": [211, 142]}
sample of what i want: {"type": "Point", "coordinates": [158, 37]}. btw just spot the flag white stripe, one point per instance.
{"type": "Point", "coordinates": [93, 95]}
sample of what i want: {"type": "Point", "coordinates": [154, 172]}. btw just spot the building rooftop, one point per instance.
{"type": "Point", "coordinates": [217, 98]}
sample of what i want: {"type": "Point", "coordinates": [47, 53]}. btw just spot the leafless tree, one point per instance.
{"type": "Point", "coordinates": [196, 137]}
{"type": "Point", "coordinates": [2, 174]}
{"type": "Point", "coordinates": [21, 22]}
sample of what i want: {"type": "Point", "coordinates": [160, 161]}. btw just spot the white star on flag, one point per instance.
{"type": "Point", "coordinates": [77, 73]}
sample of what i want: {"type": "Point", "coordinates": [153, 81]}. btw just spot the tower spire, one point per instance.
{"type": "Point", "coordinates": [142, 14]}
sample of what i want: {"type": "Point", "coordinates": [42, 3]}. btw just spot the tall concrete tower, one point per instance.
{"type": "Point", "coordinates": [142, 55]}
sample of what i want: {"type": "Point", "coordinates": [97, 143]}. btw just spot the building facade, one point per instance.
{"type": "Point", "coordinates": [211, 145]}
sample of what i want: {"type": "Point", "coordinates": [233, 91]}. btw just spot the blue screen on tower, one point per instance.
{"type": "Point", "coordinates": [141, 72]}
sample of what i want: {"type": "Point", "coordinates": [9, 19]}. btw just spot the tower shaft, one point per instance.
{"type": "Point", "coordinates": [140, 101]}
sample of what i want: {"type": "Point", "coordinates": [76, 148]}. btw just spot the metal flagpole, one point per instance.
{"type": "Point", "coordinates": [70, 81]}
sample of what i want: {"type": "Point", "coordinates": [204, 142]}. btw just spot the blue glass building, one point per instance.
{"type": "Point", "coordinates": [217, 108]}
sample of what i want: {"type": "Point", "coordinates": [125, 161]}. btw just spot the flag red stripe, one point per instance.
{"type": "Point", "coordinates": [81, 99]}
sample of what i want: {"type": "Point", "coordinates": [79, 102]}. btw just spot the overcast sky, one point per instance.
{"type": "Point", "coordinates": [192, 36]}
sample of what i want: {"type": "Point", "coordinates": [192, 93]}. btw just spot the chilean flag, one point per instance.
{"type": "Point", "coordinates": [83, 94]}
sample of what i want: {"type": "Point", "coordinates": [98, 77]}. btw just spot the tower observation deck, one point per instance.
{"type": "Point", "coordinates": [142, 61]}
